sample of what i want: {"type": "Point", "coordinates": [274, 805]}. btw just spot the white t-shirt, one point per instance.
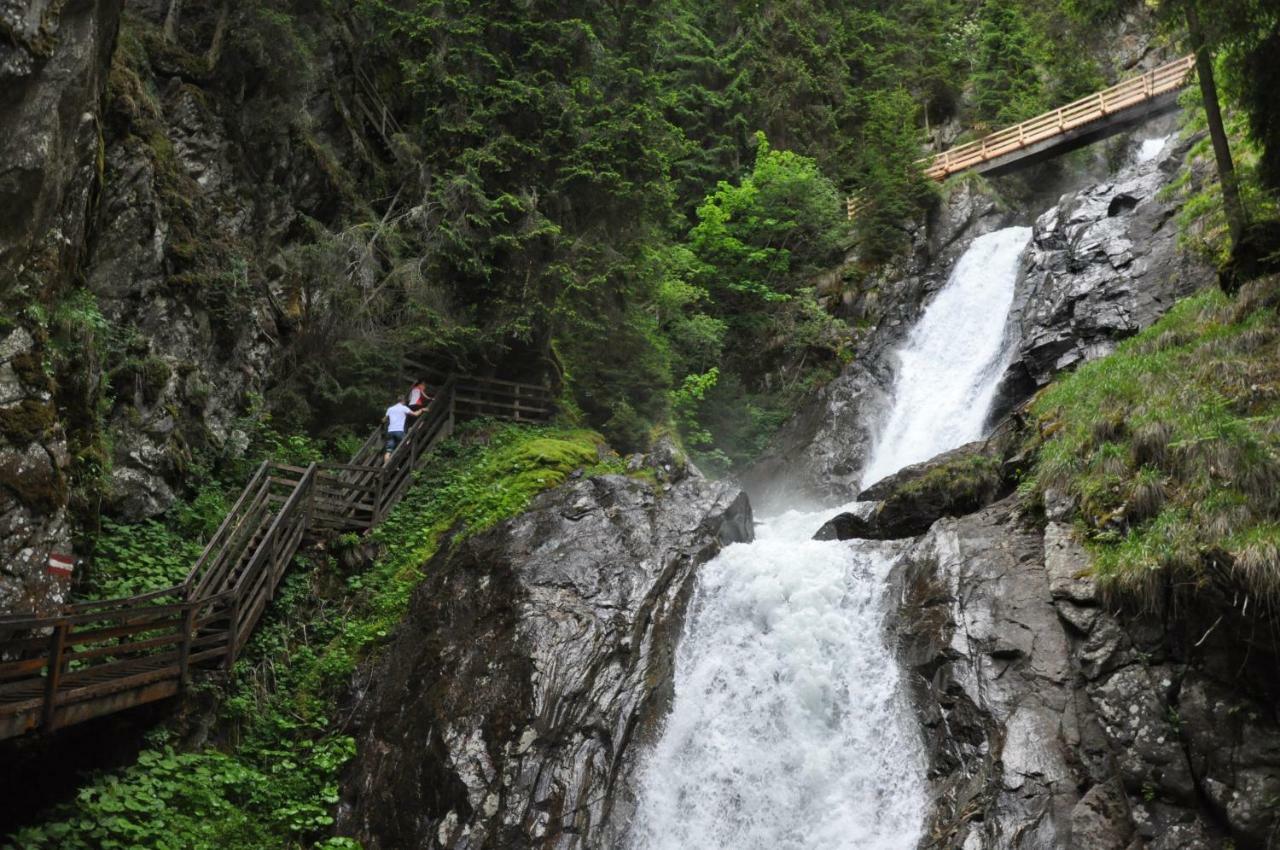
{"type": "Point", "coordinates": [395, 416]}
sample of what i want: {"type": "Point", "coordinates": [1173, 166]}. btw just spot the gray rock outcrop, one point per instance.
{"type": "Point", "coordinates": [534, 657]}
{"type": "Point", "coordinates": [54, 59]}
{"type": "Point", "coordinates": [1103, 264]}
{"type": "Point", "coordinates": [1054, 722]}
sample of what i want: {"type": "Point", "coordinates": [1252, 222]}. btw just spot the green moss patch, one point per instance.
{"type": "Point", "coordinates": [26, 421]}
{"type": "Point", "coordinates": [1171, 447]}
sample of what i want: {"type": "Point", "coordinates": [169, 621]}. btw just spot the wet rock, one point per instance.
{"type": "Point", "coordinates": [1068, 566]}
{"type": "Point", "coordinates": [954, 483]}
{"type": "Point", "coordinates": [844, 526]}
{"type": "Point", "coordinates": [1103, 264]}
{"type": "Point", "coordinates": [989, 671]}
{"type": "Point", "coordinates": [1053, 721]}
{"type": "Point", "coordinates": [507, 709]}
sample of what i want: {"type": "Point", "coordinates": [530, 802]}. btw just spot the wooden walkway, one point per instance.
{"type": "Point", "coordinates": [99, 657]}
{"type": "Point", "coordinates": [1079, 122]}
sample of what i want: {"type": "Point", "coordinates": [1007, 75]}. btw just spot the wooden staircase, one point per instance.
{"type": "Point", "coordinates": [100, 657]}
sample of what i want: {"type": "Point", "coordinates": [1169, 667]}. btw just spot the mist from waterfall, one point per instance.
{"type": "Point", "coordinates": [789, 728]}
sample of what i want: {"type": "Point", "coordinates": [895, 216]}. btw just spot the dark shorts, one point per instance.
{"type": "Point", "coordinates": [393, 440]}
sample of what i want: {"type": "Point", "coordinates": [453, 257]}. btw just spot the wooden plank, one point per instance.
{"type": "Point", "coordinates": [120, 649]}
{"type": "Point", "coordinates": [57, 641]}
{"type": "Point", "coordinates": [26, 667]}
{"type": "Point", "coordinates": [220, 534]}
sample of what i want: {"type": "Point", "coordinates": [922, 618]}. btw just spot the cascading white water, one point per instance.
{"type": "Point", "coordinates": [789, 730]}
{"type": "Point", "coordinates": [1149, 149]}
{"type": "Point", "coordinates": [952, 361]}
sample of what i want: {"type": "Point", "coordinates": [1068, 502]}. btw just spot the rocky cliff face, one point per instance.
{"type": "Point", "coordinates": [1103, 264]}
{"type": "Point", "coordinates": [53, 65]}
{"type": "Point", "coordinates": [161, 171]}
{"type": "Point", "coordinates": [1052, 721]}
{"type": "Point", "coordinates": [534, 658]}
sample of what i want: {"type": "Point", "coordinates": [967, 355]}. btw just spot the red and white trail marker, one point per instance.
{"type": "Point", "coordinates": [61, 564]}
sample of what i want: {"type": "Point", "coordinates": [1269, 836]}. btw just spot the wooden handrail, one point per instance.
{"type": "Point", "coordinates": [1057, 122]}
{"type": "Point", "coordinates": [75, 665]}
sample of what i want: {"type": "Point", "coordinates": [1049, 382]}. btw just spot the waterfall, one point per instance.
{"type": "Point", "coordinates": [789, 729]}
{"type": "Point", "coordinates": [953, 359]}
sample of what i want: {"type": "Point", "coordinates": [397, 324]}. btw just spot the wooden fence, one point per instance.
{"type": "Point", "coordinates": [99, 657]}
{"type": "Point", "coordinates": [1060, 123]}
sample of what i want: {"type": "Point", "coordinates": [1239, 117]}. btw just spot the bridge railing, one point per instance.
{"type": "Point", "coordinates": [1158, 81]}
{"type": "Point", "coordinates": [101, 656]}
{"type": "Point", "coordinates": [1079, 113]}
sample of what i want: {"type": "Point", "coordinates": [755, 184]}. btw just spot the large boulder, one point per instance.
{"type": "Point", "coordinates": [953, 484]}
{"type": "Point", "coordinates": [506, 711]}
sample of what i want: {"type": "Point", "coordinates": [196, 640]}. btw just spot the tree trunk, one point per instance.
{"type": "Point", "coordinates": [1217, 132]}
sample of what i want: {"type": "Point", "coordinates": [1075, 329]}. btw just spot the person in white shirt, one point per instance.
{"type": "Point", "coordinates": [394, 419]}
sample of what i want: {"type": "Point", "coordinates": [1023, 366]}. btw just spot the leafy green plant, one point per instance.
{"type": "Point", "coordinates": [133, 559]}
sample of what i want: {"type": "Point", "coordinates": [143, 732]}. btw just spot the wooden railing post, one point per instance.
{"type": "Point", "coordinates": [377, 498]}
{"type": "Point", "coordinates": [188, 634]}
{"type": "Point", "coordinates": [233, 638]}
{"type": "Point", "coordinates": [57, 644]}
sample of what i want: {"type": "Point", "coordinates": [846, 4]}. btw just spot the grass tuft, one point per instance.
{"type": "Point", "coordinates": [1170, 448]}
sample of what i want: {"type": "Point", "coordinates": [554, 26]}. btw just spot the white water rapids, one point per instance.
{"type": "Point", "coordinates": [789, 729]}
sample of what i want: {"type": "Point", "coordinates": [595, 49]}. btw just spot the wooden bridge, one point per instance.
{"type": "Point", "coordinates": [1078, 123]}
{"type": "Point", "coordinates": [100, 657]}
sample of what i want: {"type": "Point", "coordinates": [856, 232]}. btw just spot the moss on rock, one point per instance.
{"type": "Point", "coordinates": [26, 421]}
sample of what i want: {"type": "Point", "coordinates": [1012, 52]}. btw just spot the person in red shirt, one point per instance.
{"type": "Point", "coordinates": [418, 397]}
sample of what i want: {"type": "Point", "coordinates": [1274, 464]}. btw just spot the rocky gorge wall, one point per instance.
{"type": "Point", "coordinates": [53, 65]}
{"type": "Point", "coordinates": [508, 709]}
{"type": "Point", "coordinates": [1052, 720]}
{"type": "Point", "coordinates": [1104, 263]}
{"type": "Point", "coordinates": [161, 167]}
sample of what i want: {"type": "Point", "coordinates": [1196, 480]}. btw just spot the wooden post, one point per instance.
{"type": "Point", "coordinates": [234, 629]}
{"type": "Point", "coordinates": [377, 499]}
{"type": "Point", "coordinates": [57, 643]}
{"type": "Point", "coordinates": [516, 407]}
{"type": "Point", "coordinates": [188, 633]}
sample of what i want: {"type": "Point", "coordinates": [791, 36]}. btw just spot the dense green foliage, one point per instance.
{"type": "Point", "coordinates": [587, 189]}
{"type": "Point", "coordinates": [272, 780]}
{"type": "Point", "coordinates": [1172, 448]}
